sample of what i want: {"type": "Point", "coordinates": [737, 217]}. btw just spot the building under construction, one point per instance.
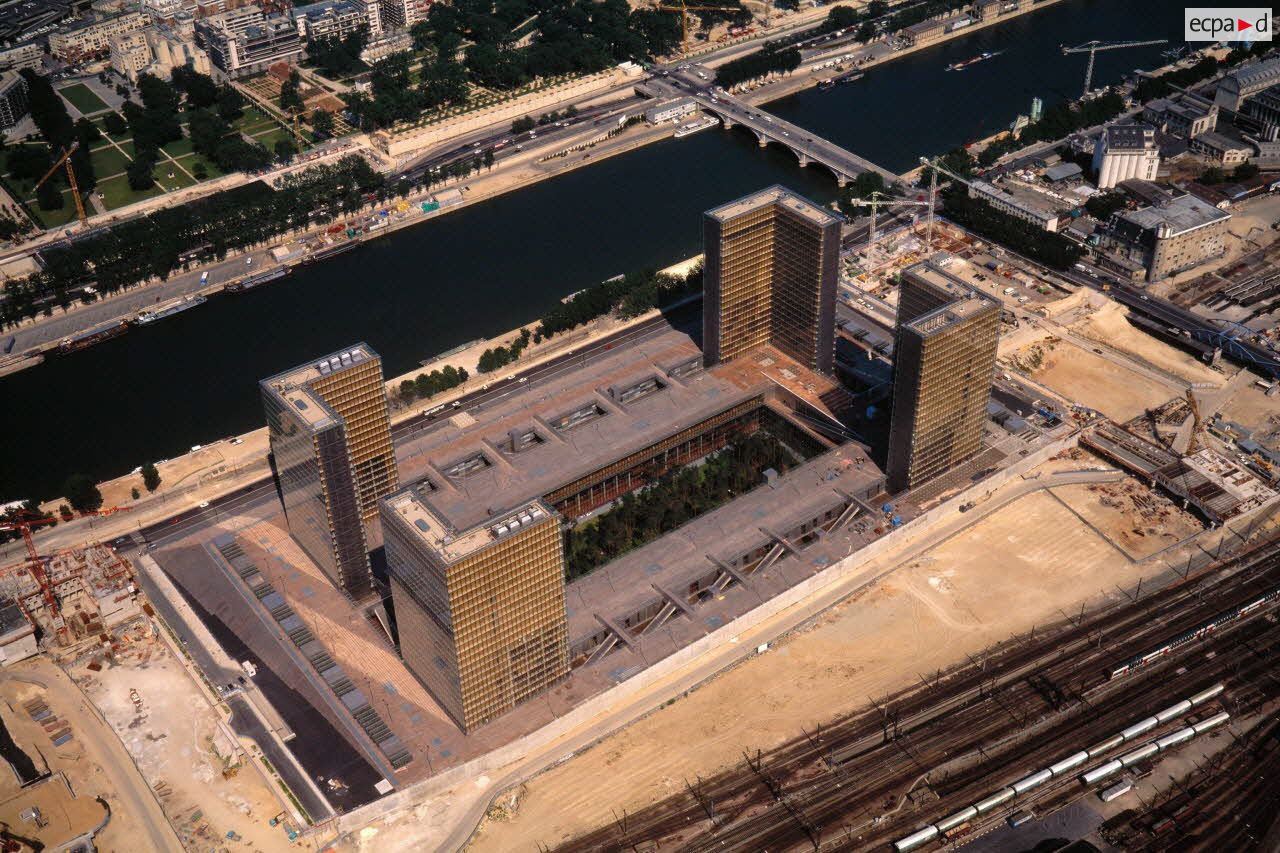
{"type": "Point", "coordinates": [83, 592]}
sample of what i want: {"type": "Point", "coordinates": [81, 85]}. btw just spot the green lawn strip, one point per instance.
{"type": "Point", "coordinates": [55, 218]}
{"type": "Point", "coordinates": [116, 192]}
{"type": "Point", "coordinates": [189, 163]}
{"type": "Point", "coordinates": [180, 179]}
{"type": "Point", "coordinates": [108, 161]}
{"type": "Point", "coordinates": [179, 148]}
{"type": "Point", "coordinates": [83, 99]}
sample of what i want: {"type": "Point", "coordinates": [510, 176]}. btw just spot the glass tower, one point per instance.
{"type": "Point", "coordinates": [330, 434]}
{"type": "Point", "coordinates": [480, 612]}
{"type": "Point", "coordinates": [772, 260]}
{"type": "Point", "coordinates": [944, 359]}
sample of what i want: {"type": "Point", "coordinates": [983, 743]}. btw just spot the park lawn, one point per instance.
{"type": "Point", "coordinates": [179, 180]}
{"type": "Point", "coordinates": [269, 139]}
{"type": "Point", "coordinates": [60, 217]}
{"type": "Point", "coordinates": [108, 161]}
{"type": "Point", "coordinates": [116, 192]}
{"type": "Point", "coordinates": [82, 98]}
{"type": "Point", "coordinates": [251, 116]}
{"type": "Point", "coordinates": [189, 163]}
{"type": "Point", "coordinates": [179, 148]}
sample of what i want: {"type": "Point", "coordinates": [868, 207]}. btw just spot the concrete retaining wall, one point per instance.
{"type": "Point", "coordinates": [599, 705]}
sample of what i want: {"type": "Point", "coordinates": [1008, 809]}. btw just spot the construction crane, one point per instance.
{"type": "Point", "coordinates": [684, 11]}
{"type": "Point", "coordinates": [71, 178]}
{"type": "Point", "coordinates": [934, 168]}
{"type": "Point", "coordinates": [26, 521]}
{"type": "Point", "coordinates": [877, 199]}
{"type": "Point", "coordinates": [1194, 444]}
{"type": "Point", "coordinates": [1092, 48]}
{"type": "Point", "coordinates": [35, 564]}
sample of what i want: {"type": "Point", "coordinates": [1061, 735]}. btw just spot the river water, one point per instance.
{"type": "Point", "coordinates": [192, 378]}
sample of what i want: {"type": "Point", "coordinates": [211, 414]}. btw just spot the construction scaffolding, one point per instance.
{"type": "Point", "coordinates": [83, 592]}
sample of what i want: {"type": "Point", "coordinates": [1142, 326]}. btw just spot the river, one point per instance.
{"type": "Point", "coordinates": [192, 378]}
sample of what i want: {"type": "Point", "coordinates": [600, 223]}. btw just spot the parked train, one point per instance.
{"type": "Point", "coordinates": [1196, 633]}
{"type": "Point", "coordinates": [958, 823]}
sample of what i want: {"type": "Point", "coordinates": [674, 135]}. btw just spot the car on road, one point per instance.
{"type": "Point", "coordinates": [204, 504]}
{"type": "Point", "coordinates": [784, 133]}
{"type": "Point", "coordinates": [248, 262]}
{"type": "Point", "coordinates": [237, 441]}
{"type": "Point", "coordinates": [524, 379]}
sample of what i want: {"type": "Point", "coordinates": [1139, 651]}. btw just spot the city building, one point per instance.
{"type": "Point", "coordinates": [670, 110]}
{"type": "Point", "coordinates": [987, 10]}
{"type": "Point", "coordinates": [944, 362]}
{"type": "Point", "coordinates": [1125, 151]}
{"type": "Point", "coordinates": [245, 41]}
{"type": "Point", "coordinates": [330, 437]}
{"type": "Point", "coordinates": [925, 32]}
{"type": "Point", "coordinates": [770, 274]}
{"type": "Point", "coordinates": [1016, 203]}
{"type": "Point", "coordinates": [1264, 109]}
{"type": "Point", "coordinates": [162, 11]}
{"type": "Point", "coordinates": [330, 19]}
{"type": "Point", "coordinates": [1245, 82]}
{"type": "Point", "coordinates": [480, 611]}
{"type": "Point", "coordinates": [25, 20]}
{"type": "Point", "coordinates": [157, 50]}
{"type": "Point", "coordinates": [491, 490]}
{"type": "Point", "coordinates": [1220, 149]}
{"type": "Point", "coordinates": [21, 56]}
{"type": "Point", "coordinates": [130, 55]}
{"type": "Point", "coordinates": [1184, 115]}
{"type": "Point", "coordinates": [388, 44]}
{"type": "Point", "coordinates": [14, 102]}
{"type": "Point", "coordinates": [91, 37]}
{"type": "Point", "coordinates": [399, 14]}
{"type": "Point", "coordinates": [1176, 233]}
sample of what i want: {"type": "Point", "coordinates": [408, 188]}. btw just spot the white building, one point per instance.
{"type": "Point", "coordinates": [1126, 151]}
{"type": "Point", "coordinates": [670, 111]}
{"type": "Point", "coordinates": [21, 56]}
{"type": "Point", "coordinates": [1020, 208]}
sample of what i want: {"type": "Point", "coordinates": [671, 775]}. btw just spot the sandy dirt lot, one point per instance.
{"type": "Point", "coordinates": [1252, 408]}
{"type": "Point", "coordinates": [175, 738]}
{"type": "Point", "coordinates": [1091, 380]}
{"type": "Point", "coordinates": [1137, 520]}
{"type": "Point", "coordinates": [1000, 577]}
{"type": "Point", "coordinates": [1108, 325]}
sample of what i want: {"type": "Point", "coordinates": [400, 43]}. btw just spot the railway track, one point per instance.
{"type": "Point", "coordinates": [929, 746]}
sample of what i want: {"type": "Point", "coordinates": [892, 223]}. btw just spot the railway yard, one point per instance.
{"type": "Point", "coordinates": [1187, 669]}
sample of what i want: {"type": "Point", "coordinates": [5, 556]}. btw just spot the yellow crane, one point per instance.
{"type": "Point", "coordinates": [71, 178]}
{"type": "Point", "coordinates": [683, 9]}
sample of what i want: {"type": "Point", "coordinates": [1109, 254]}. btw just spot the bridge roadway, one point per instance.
{"type": "Point", "coordinates": [807, 147]}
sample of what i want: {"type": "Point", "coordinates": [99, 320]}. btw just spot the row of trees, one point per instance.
{"type": "Point", "coordinates": [157, 244]}
{"type": "Point", "coordinates": [395, 97]}
{"type": "Point", "coordinates": [427, 385]}
{"type": "Point", "coordinates": [679, 496]}
{"type": "Point", "coordinates": [976, 215]}
{"type": "Point", "coordinates": [767, 60]}
{"type": "Point", "coordinates": [500, 356]}
{"type": "Point", "coordinates": [527, 123]}
{"type": "Point", "coordinates": [1217, 175]}
{"type": "Point", "coordinates": [630, 296]}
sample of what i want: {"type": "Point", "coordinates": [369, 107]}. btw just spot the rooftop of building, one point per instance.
{"type": "Point", "coordinates": [763, 516]}
{"type": "Point", "coordinates": [315, 10]}
{"type": "Point", "coordinates": [95, 20]}
{"type": "Point", "coordinates": [1221, 141]}
{"type": "Point", "coordinates": [967, 303]}
{"type": "Point", "coordinates": [581, 420]}
{"type": "Point", "coordinates": [1130, 137]}
{"type": "Point", "coordinates": [293, 386]}
{"type": "Point", "coordinates": [776, 194]}
{"type": "Point", "coordinates": [12, 619]}
{"type": "Point", "coordinates": [1264, 73]}
{"type": "Point", "coordinates": [450, 543]}
{"type": "Point", "coordinates": [1021, 196]}
{"type": "Point", "coordinates": [1180, 213]}
{"type": "Point", "coordinates": [1063, 171]}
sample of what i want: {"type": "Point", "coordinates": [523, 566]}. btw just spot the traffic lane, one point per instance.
{"type": "Point", "coordinates": [214, 671]}
{"type": "Point", "coordinates": [247, 724]}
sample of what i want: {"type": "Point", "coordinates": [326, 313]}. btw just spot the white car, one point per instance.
{"type": "Point", "coordinates": [204, 504]}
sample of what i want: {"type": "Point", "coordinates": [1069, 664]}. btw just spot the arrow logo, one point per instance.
{"type": "Point", "coordinates": [1242, 24]}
